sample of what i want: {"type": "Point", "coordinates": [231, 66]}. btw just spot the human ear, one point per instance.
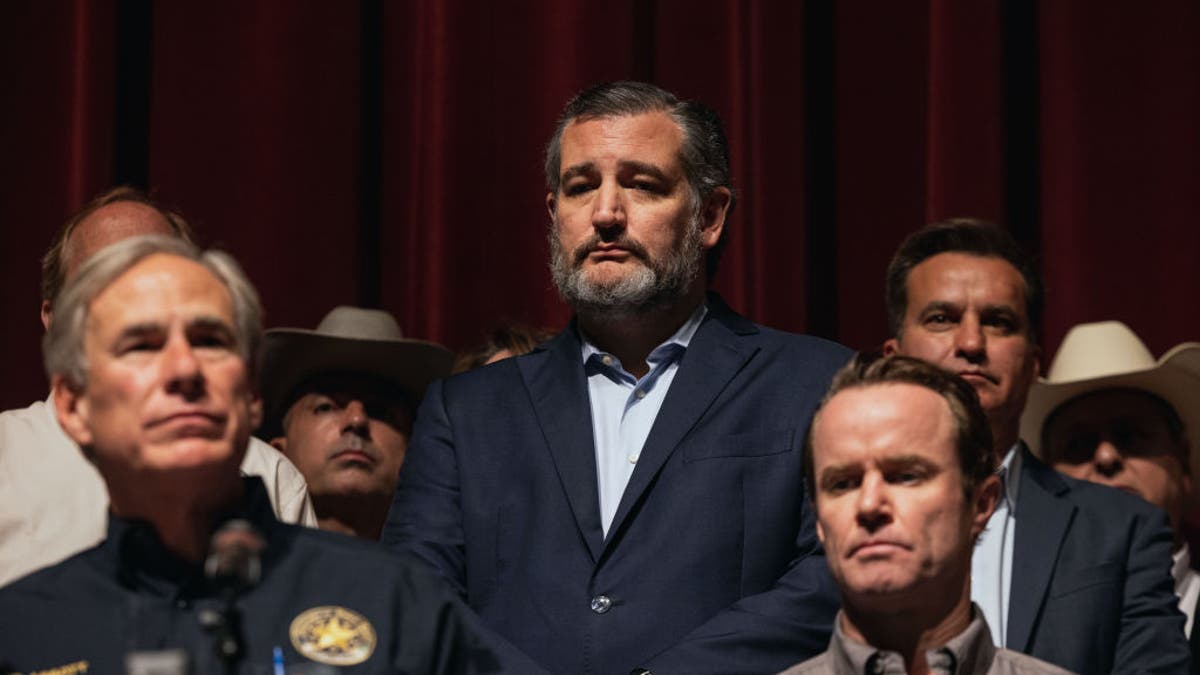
{"type": "Point", "coordinates": [73, 411]}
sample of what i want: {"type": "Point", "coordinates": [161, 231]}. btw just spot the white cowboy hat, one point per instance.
{"type": "Point", "coordinates": [1108, 355]}
{"type": "Point", "coordinates": [348, 339]}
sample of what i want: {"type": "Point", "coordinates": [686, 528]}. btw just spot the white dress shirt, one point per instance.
{"type": "Point", "coordinates": [53, 502]}
{"type": "Point", "coordinates": [1187, 585]}
{"type": "Point", "coordinates": [624, 409]}
{"type": "Point", "coordinates": [991, 563]}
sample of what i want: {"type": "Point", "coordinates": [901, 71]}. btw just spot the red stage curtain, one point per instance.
{"type": "Point", "coordinates": [389, 153]}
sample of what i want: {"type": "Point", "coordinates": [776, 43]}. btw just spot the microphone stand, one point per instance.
{"type": "Point", "coordinates": [233, 566]}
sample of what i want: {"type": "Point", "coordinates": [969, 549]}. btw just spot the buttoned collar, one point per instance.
{"type": "Point", "coordinates": [971, 651]}
{"type": "Point", "coordinates": [667, 350]}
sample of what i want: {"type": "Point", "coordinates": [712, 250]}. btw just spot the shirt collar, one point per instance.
{"type": "Point", "coordinates": [1181, 562]}
{"type": "Point", "coordinates": [971, 651]}
{"type": "Point", "coordinates": [1010, 476]}
{"type": "Point", "coordinates": [681, 337]}
{"type": "Point", "coordinates": [141, 560]}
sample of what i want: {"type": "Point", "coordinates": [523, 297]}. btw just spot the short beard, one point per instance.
{"type": "Point", "coordinates": [653, 285]}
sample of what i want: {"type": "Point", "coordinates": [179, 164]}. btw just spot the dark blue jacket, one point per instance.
{"type": "Point", "coordinates": [711, 564]}
{"type": "Point", "coordinates": [1091, 580]}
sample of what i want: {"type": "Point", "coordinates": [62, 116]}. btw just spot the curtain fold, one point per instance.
{"type": "Point", "coordinates": [391, 152]}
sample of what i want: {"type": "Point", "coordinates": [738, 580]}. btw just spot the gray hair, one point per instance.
{"type": "Point", "coordinates": [62, 346]}
{"type": "Point", "coordinates": [704, 154]}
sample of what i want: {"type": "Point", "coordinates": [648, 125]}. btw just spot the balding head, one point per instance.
{"type": "Point", "coordinates": [115, 215]}
{"type": "Point", "coordinates": [108, 225]}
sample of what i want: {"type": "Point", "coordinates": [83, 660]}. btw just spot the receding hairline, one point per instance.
{"type": "Point", "coordinates": [948, 423]}
{"type": "Point", "coordinates": [158, 223]}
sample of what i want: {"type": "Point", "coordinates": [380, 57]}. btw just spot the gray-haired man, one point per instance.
{"type": "Point", "coordinates": [52, 501]}
{"type": "Point", "coordinates": [152, 356]}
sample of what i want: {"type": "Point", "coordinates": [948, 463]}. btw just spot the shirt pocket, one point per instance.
{"type": "Point", "coordinates": [759, 443]}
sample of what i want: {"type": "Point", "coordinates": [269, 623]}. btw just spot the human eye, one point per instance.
{"type": "Point", "coordinates": [1004, 324]}
{"type": "Point", "coordinates": [135, 342]}
{"type": "Point", "coordinates": [905, 477]}
{"type": "Point", "coordinates": [574, 188]}
{"type": "Point", "coordinates": [211, 335]}
{"type": "Point", "coordinates": [323, 405]}
{"type": "Point", "coordinates": [648, 185]}
{"type": "Point", "coordinates": [1128, 436]}
{"type": "Point", "coordinates": [140, 345]}
{"type": "Point", "coordinates": [938, 320]}
{"type": "Point", "coordinates": [912, 472]}
{"type": "Point", "coordinates": [839, 483]}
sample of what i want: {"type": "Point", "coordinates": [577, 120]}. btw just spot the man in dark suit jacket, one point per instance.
{"type": "Point", "coordinates": [1073, 573]}
{"type": "Point", "coordinates": [630, 495]}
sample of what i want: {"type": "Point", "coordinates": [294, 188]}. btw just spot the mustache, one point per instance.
{"type": "Point", "coordinates": [622, 240]}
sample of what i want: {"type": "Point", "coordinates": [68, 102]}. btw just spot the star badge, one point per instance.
{"type": "Point", "coordinates": [333, 635]}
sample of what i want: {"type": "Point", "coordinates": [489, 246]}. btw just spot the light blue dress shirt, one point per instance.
{"type": "Point", "coordinates": [991, 563]}
{"type": "Point", "coordinates": [624, 408]}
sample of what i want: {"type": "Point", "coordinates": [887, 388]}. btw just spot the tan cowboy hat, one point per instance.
{"type": "Point", "coordinates": [1108, 355]}
{"type": "Point", "coordinates": [348, 339]}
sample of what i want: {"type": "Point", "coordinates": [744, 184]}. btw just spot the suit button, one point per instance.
{"type": "Point", "coordinates": [601, 604]}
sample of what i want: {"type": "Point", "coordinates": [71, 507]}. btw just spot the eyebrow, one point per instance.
{"type": "Point", "coordinates": [577, 170]}
{"type": "Point", "coordinates": [906, 460]}
{"type": "Point", "coordinates": [585, 168]}
{"type": "Point", "coordinates": [139, 330]}
{"type": "Point", "coordinates": [942, 306]}
{"type": "Point", "coordinates": [203, 322]}
{"type": "Point", "coordinates": [644, 167]}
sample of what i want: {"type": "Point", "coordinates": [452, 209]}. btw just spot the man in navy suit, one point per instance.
{"type": "Point", "coordinates": [629, 496]}
{"type": "Point", "coordinates": [1070, 572]}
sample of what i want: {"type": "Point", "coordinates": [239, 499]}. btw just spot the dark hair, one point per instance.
{"type": "Point", "coordinates": [54, 268]}
{"type": "Point", "coordinates": [973, 433]}
{"type": "Point", "coordinates": [704, 153]}
{"type": "Point", "coordinates": [515, 338]}
{"type": "Point", "coordinates": [961, 235]}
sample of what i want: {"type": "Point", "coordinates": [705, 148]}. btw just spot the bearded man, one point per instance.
{"type": "Point", "coordinates": [629, 496]}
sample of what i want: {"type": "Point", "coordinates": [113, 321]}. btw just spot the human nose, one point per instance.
{"type": "Point", "coordinates": [1108, 459]}
{"type": "Point", "coordinates": [874, 505]}
{"type": "Point", "coordinates": [969, 341]}
{"type": "Point", "coordinates": [354, 417]}
{"type": "Point", "coordinates": [609, 208]}
{"type": "Point", "coordinates": [183, 373]}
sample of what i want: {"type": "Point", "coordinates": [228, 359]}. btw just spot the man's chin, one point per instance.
{"type": "Point", "coordinates": [190, 455]}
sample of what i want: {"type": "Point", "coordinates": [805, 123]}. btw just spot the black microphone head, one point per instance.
{"type": "Point", "coordinates": [234, 554]}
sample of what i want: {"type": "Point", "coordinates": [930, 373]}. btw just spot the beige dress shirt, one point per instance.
{"type": "Point", "coordinates": [971, 652]}
{"type": "Point", "coordinates": [54, 504]}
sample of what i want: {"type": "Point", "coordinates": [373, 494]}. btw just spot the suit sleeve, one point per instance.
{"type": "Point", "coordinates": [425, 520]}
{"type": "Point", "coordinates": [1152, 638]}
{"type": "Point", "coordinates": [767, 632]}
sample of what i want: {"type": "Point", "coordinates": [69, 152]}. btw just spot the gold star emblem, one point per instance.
{"type": "Point", "coordinates": [333, 635]}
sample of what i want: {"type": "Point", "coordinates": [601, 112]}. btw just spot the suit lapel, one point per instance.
{"type": "Point", "coordinates": [713, 357]}
{"type": "Point", "coordinates": [558, 388]}
{"type": "Point", "coordinates": [1042, 521]}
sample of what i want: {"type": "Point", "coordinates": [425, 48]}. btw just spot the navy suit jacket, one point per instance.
{"type": "Point", "coordinates": [1091, 581]}
{"type": "Point", "coordinates": [711, 564]}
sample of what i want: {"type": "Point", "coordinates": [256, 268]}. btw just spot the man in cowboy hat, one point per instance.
{"type": "Point", "coordinates": [1108, 412]}
{"type": "Point", "coordinates": [340, 402]}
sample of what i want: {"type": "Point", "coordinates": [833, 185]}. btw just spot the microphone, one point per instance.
{"type": "Point", "coordinates": [235, 556]}
{"type": "Point", "coordinates": [234, 563]}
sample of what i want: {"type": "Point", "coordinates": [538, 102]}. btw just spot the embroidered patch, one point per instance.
{"type": "Point", "coordinates": [333, 635]}
{"type": "Point", "coordinates": [69, 669]}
